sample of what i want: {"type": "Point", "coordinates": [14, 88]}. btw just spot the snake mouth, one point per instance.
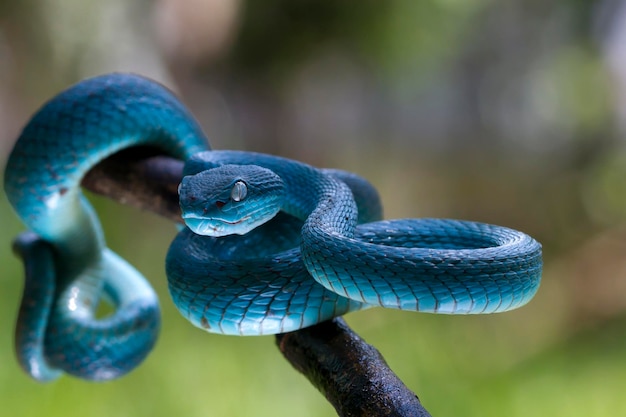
{"type": "Point", "coordinates": [215, 227]}
{"type": "Point", "coordinates": [193, 217]}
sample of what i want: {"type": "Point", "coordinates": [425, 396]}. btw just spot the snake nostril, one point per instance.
{"type": "Point", "coordinates": [220, 204]}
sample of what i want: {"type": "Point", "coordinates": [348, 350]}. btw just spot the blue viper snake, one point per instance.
{"type": "Point", "coordinates": [270, 245]}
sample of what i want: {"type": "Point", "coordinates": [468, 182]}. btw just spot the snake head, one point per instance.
{"type": "Point", "coordinates": [230, 199]}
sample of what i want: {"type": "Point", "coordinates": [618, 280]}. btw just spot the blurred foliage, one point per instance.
{"type": "Point", "coordinates": [508, 112]}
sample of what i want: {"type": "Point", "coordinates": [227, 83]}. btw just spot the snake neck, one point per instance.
{"type": "Point", "coordinates": [317, 198]}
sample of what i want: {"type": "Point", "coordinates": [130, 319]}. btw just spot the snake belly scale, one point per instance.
{"type": "Point", "coordinates": [270, 245]}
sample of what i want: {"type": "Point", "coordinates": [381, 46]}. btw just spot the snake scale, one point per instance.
{"type": "Point", "coordinates": [270, 245]}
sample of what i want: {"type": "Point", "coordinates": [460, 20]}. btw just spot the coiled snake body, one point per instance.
{"type": "Point", "coordinates": [271, 244]}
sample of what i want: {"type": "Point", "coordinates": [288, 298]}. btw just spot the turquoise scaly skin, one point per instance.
{"type": "Point", "coordinates": [272, 245]}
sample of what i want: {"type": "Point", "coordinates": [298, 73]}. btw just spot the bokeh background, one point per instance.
{"type": "Point", "coordinates": [504, 111]}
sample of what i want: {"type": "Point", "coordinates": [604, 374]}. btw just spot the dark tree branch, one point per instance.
{"type": "Point", "coordinates": [352, 375]}
{"type": "Point", "coordinates": [140, 179]}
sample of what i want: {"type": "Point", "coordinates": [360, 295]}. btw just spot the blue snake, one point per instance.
{"type": "Point", "coordinates": [269, 245]}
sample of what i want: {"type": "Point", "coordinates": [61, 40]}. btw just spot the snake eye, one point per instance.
{"type": "Point", "coordinates": [239, 191]}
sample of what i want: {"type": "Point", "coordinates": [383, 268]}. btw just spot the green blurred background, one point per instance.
{"type": "Point", "coordinates": [510, 112]}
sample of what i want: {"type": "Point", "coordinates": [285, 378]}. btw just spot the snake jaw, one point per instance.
{"type": "Point", "coordinates": [217, 227]}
